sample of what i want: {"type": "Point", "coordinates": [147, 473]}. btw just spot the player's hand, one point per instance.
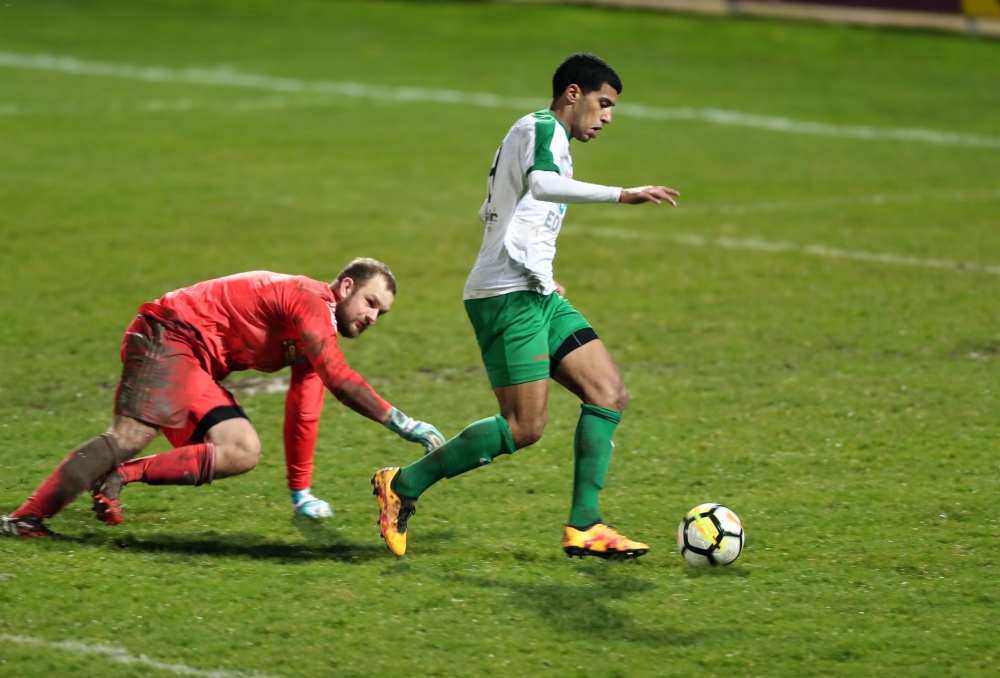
{"type": "Point", "coordinates": [657, 194]}
{"type": "Point", "coordinates": [560, 290]}
{"type": "Point", "coordinates": [414, 431]}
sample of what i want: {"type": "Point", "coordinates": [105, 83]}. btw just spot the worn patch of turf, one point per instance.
{"type": "Point", "coordinates": [845, 410]}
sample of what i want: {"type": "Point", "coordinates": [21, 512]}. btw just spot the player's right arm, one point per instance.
{"type": "Point", "coordinates": [312, 318]}
{"type": "Point", "coordinates": [657, 194]}
{"type": "Point", "coordinates": [548, 186]}
{"type": "Point", "coordinates": [346, 385]}
{"type": "Point", "coordinates": [537, 151]}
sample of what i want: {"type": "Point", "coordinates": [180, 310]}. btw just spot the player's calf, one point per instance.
{"type": "Point", "coordinates": [73, 476]}
{"type": "Point", "coordinates": [188, 465]}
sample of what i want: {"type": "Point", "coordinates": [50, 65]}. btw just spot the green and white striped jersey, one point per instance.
{"type": "Point", "coordinates": [519, 241]}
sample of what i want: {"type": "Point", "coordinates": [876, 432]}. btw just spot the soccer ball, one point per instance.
{"type": "Point", "coordinates": [710, 534]}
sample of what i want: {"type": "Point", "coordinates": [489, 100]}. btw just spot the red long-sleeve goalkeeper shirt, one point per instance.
{"type": "Point", "coordinates": [266, 321]}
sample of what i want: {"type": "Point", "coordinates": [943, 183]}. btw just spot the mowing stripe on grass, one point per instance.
{"type": "Point", "coordinates": [120, 656]}
{"type": "Point", "coordinates": [783, 246]}
{"type": "Point", "coordinates": [874, 200]}
{"type": "Point", "coordinates": [834, 202]}
{"type": "Point", "coordinates": [230, 78]}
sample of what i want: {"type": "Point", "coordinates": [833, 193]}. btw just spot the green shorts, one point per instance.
{"type": "Point", "coordinates": [524, 335]}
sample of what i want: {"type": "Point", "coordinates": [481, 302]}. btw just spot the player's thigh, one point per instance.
{"type": "Point", "coordinates": [212, 406]}
{"type": "Point", "coordinates": [568, 330]}
{"type": "Point", "coordinates": [591, 375]}
{"type": "Point", "coordinates": [215, 417]}
{"type": "Point", "coordinates": [580, 362]}
{"type": "Point", "coordinates": [237, 433]}
{"type": "Point", "coordinates": [512, 332]}
{"type": "Point", "coordinates": [160, 375]}
{"type": "Point", "coordinates": [521, 401]}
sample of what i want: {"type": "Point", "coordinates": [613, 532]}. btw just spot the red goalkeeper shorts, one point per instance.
{"type": "Point", "coordinates": [164, 384]}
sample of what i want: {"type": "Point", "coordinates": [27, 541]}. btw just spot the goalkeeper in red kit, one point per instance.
{"type": "Point", "coordinates": [178, 349]}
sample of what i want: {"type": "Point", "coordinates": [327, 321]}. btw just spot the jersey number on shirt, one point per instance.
{"type": "Point", "coordinates": [493, 173]}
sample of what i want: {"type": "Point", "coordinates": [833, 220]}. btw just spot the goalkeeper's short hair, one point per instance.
{"type": "Point", "coordinates": [363, 269]}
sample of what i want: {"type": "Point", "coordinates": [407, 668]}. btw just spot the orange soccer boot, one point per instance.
{"type": "Point", "coordinates": [107, 506]}
{"type": "Point", "coordinates": [601, 541]}
{"type": "Point", "coordinates": [394, 510]}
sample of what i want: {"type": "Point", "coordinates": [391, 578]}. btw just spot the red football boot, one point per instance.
{"type": "Point", "coordinates": [106, 505]}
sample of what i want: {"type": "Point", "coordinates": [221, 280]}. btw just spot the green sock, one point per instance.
{"type": "Point", "coordinates": [478, 444]}
{"type": "Point", "coordinates": [592, 449]}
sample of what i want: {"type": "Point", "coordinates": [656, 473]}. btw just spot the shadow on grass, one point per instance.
{"type": "Point", "coordinates": [246, 545]}
{"type": "Point", "coordinates": [431, 543]}
{"type": "Point", "coordinates": [718, 572]}
{"type": "Point", "coordinates": [584, 608]}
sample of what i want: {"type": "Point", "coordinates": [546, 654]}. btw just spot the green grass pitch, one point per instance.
{"type": "Point", "coordinates": [845, 408]}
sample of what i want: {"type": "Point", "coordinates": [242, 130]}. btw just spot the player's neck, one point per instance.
{"type": "Point", "coordinates": [563, 110]}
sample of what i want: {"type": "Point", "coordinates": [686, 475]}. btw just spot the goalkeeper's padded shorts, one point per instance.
{"type": "Point", "coordinates": [165, 385]}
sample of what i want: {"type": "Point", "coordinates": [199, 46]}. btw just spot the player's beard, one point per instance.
{"type": "Point", "coordinates": [346, 326]}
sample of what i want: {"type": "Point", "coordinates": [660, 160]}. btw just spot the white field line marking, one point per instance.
{"type": "Point", "coordinates": [230, 78]}
{"type": "Point", "coordinates": [256, 385]}
{"type": "Point", "coordinates": [783, 246]}
{"type": "Point", "coordinates": [274, 103]}
{"type": "Point", "coordinates": [167, 106]}
{"type": "Point", "coordinates": [120, 656]}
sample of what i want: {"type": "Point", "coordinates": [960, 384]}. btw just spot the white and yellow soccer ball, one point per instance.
{"type": "Point", "coordinates": [710, 534]}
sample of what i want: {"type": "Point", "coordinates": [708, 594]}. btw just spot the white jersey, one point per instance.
{"type": "Point", "coordinates": [519, 242]}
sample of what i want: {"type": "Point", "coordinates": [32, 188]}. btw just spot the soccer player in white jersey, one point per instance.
{"type": "Point", "coordinates": [526, 329]}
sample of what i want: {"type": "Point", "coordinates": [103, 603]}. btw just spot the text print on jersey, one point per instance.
{"type": "Point", "coordinates": [553, 221]}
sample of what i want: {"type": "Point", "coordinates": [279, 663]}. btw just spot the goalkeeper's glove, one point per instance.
{"type": "Point", "coordinates": [414, 431]}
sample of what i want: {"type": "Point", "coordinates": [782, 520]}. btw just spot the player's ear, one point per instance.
{"type": "Point", "coordinates": [573, 93]}
{"type": "Point", "coordinates": [346, 287]}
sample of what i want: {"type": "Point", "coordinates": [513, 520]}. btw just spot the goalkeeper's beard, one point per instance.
{"type": "Point", "coordinates": [347, 327]}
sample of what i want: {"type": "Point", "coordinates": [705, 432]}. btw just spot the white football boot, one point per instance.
{"type": "Point", "coordinates": [305, 504]}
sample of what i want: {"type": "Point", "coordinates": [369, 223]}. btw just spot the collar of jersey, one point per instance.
{"type": "Point", "coordinates": [548, 112]}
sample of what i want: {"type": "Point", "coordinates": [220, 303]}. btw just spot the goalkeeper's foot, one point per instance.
{"type": "Point", "coordinates": [394, 510]}
{"type": "Point", "coordinates": [24, 526]}
{"type": "Point", "coordinates": [601, 541]}
{"type": "Point", "coordinates": [107, 506]}
{"type": "Point", "coordinates": [305, 504]}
